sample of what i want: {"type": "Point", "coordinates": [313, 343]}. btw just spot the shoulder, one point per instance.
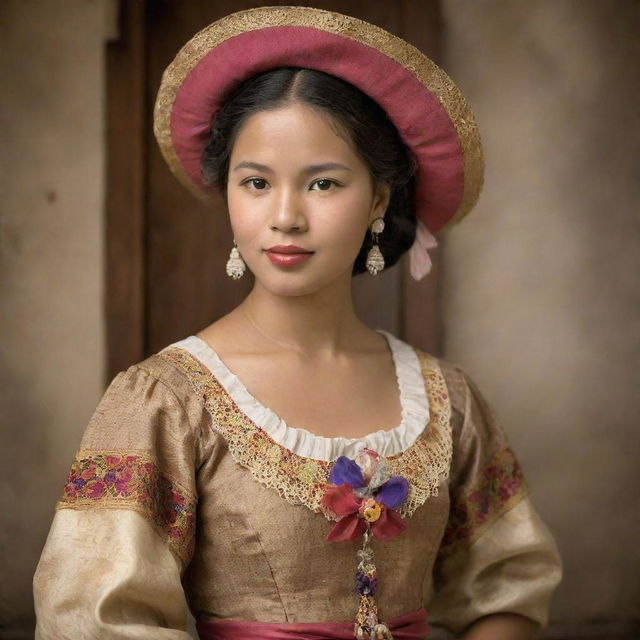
{"type": "Point", "coordinates": [471, 414]}
{"type": "Point", "coordinates": [152, 395]}
{"type": "Point", "coordinates": [155, 379]}
{"type": "Point", "coordinates": [167, 368]}
{"type": "Point", "coordinates": [436, 370]}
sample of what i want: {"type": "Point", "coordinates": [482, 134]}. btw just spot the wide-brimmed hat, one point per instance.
{"type": "Point", "coordinates": [429, 111]}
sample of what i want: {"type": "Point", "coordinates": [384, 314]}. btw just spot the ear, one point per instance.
{"type": "Point", "coordinates": [381, 197]}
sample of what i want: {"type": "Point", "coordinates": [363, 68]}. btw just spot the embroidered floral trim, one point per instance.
{"type": "Point", "coordinates": [302, 481]}
{"type": "Point", "coordinates": [132, 480]}
{"type": "Point", "coordinates": [499, 487]}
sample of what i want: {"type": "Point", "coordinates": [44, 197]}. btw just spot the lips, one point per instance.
{"type": "Point", "coordinates": [288, 249]}
{"type": "Point", "coordinates": [288, 255]}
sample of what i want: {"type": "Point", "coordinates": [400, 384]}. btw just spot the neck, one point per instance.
{"type": "Point", "coordinates": [321, 323]}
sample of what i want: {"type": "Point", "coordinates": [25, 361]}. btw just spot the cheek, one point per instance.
{"type": "Point", "coordinates": [345, 237]}
{"type": "Point", "coordinates": [349, 218]}
{"type": "Point", "coordinates": [244, 217]}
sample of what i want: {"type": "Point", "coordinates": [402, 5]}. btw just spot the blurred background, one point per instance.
{"type": "Point", "coordinates": [104, 258]}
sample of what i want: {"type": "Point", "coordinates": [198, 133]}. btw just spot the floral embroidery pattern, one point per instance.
{"type": "Point", "coordinates": [131, 480]}
{"type": "Point", "coordinates": [302, 481]}
{"type": "Point", "coordinates": [499, 485]}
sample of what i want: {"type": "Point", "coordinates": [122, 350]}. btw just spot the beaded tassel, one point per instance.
{"type": "Point", "coordinates": [367, 626]}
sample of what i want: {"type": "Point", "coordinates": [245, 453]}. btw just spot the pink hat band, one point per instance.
{"type": "Point", "coordinates": [424, 104]}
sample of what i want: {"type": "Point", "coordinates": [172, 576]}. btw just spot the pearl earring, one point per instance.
{"type": "Point", "coordinates": [235, 263]}
{"type": "Point", "coordinates": [375, 259]}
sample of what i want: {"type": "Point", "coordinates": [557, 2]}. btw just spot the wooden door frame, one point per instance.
{"type": "Point", "coordinates": [126, 120]}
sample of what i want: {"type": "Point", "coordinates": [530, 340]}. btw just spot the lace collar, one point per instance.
{"type": "Point", "coordinates": [413, 400]}
{"type": "Point", "coordinates": [302, 480]}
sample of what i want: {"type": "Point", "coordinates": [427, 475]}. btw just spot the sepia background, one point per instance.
{"type": "Point", "coordinates": [536, 294]}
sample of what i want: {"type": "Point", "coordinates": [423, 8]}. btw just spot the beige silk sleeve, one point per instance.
{"type": "Point", "coordinates": [124, 527]}
{"type": "Point", "coordinates": [497, 556]}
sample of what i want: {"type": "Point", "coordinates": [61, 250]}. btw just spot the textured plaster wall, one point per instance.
{"type": "Point", "coordinates": [541, 295]}
{"type": "Point", "coordinates": [51, 320]}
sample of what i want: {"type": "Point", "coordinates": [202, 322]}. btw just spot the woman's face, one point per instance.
{"type": "Point", "coordinates": [295, 180]}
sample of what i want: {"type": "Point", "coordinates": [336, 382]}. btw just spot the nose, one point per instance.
{"type": "Point", "coordinates": [288, 212]}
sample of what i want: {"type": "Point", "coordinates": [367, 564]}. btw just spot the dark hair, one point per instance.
{"type": "Point", "coordinates": [373, 134]}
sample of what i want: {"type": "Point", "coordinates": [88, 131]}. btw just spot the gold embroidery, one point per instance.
{"type": "Point", "coordinates": [302, 481]}
{"type": "Point", "coordinates": [425, 70]}
{"type": "Point", "coordinates": [132, 480]}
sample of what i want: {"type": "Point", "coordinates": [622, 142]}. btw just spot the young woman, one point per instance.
{"type": "Point", "coordinates": [289, 471]}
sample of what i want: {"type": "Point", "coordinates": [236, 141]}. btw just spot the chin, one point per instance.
{"type": "Point", "coordinates": [290, 287]}
{"type": "Point", "coordinates": [294, 284]}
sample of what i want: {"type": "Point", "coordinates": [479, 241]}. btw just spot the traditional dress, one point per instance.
{"type": "Point", "coordinates": [187, 492]}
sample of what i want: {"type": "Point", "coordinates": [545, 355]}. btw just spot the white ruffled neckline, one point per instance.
{"type": "Point", "coordinates": [413, 400]}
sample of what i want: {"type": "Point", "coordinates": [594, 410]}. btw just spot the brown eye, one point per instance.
{"type": "Point", "coordinates": [324, 184]}
{"type": "Point", "coordinates": [257, 184]}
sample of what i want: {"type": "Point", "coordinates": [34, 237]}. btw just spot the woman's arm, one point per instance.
{"type": "Point", "coordinates": [498, 564]}
{"type": "Point", "coordinates": [105, 573]}
{"type": "Point", "coordinates": [502, 626]}
{"type": "Point", "coordinates": [124, 527]}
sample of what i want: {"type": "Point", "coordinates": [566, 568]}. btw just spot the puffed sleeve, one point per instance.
{"type": "Point", "coordinates": [124, 527]}
{"type": "Point", "coordinates": [496, 556]}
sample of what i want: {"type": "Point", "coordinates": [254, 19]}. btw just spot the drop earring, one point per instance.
{"type": "Point", "coordinates": [235, 263]}
{"type": "Point", "coordinates": [375, 259]}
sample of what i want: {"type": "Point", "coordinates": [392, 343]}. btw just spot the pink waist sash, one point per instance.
{"type": "Point", "coordinates": [410, 626]}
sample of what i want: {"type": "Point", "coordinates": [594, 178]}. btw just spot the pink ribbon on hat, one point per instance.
{"type": "Point", "coordinates": [420, 260]}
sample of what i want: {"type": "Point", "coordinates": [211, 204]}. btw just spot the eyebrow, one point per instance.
{"type": "Point", "coordinates": [314, 168]}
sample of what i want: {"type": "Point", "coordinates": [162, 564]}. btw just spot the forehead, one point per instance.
{"type": "Point", "coordinates": [295, 130]}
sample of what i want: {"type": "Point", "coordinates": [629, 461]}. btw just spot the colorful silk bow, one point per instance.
{"type": "Point", "coordinates": [364, 492]}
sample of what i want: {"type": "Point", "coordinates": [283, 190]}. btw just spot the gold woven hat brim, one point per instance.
{"type": "Point", "coordinates": [426, 106]}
